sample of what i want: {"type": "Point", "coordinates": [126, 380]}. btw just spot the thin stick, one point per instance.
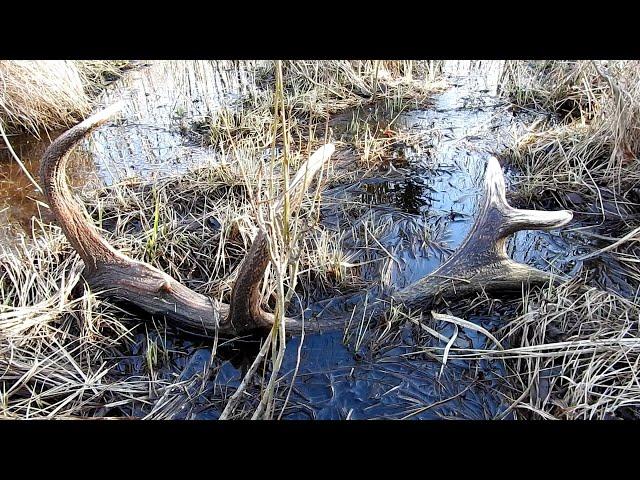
{"type": "Point", "coordinates": [17, 159]}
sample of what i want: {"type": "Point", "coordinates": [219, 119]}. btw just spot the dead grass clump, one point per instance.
{"type": "Point", "coordinates": [56, 351]}
{"type": "Point", "coordinates": [315, 90]}
{"type": "Point", "coordinates": [562, 87]}
{"type": "Point", "coordinates": [45, 95]}
{"type": "Point", "coordinates": [575, 354]}
{"type": "Point", "coordinates": [596, 145]}
{"type": "Point", "coordinates": [328, 87]}
{"type": "Point", "coordinates": [64, 352]}
{"type": "Point", "coordinates": [588, 159]}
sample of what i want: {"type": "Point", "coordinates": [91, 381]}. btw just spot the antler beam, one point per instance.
{"type": "Point", "coordinates": [481, 263]}
{"type": "Point", "coordinates": [143, 285]}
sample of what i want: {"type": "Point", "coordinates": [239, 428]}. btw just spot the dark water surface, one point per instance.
{"type": "Point", "coordinates": [426, 203]}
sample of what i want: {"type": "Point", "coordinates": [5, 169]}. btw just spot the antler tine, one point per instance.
{"type": "Point", "coordinates": [481, 263]}
{"type": "Point", "coordinates": [245, 296]}
{"type": "Point", "coordinates": [515, 219]}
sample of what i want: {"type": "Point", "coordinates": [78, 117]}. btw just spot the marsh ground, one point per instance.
{"type": "Point", "coordinates": [412, 141]}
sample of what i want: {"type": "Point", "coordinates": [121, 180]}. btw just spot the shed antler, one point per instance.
{"type": "Point", "coordinates": [481, 263]}
{"type": "Point", "coordinates": [144, 285]}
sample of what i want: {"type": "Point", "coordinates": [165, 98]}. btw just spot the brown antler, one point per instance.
{"type": "Point", "coordinates": [143, 285]}
{"type": "Point", "coordinates": [481, 263]}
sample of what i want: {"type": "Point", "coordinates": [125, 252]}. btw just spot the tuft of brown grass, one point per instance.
{"type": "Point", "coordinates": [42, 95]}
{"type": "Point", "coordinates": [591, 140]}
{"type": "Point", "coordinates": [575, 354]}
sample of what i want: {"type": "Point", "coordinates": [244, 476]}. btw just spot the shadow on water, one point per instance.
{"type": "Point", "coordinates": [398, 225]}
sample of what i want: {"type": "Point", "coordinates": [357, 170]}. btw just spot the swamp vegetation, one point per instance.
{"type": "Point", "coordinates": [186, 176]}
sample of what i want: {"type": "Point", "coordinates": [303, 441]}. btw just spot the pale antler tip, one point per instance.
{"type": "Point", "coordinates": [564, 217]}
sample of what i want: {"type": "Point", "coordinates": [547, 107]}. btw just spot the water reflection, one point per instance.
{"type": "Point", "coordinates": [19, 199]}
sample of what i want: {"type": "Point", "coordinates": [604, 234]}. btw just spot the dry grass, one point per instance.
{"type": "Point", "coordinates": [575, 351]}
{"type": "Point", "coordinates": [572, 353]}
{"type": "Point", "coordinates": [566, 352]}
{"type": "Point", "coordinates": [55, 350]}
{"type": "Point", "coordinates": [315, 90]}
{"type": "Point", "coordinates": [38, 96]}
{"type": "Point", "coordinates": [592, 140]}
{"type": "Point", "coordinates": [588, 160]}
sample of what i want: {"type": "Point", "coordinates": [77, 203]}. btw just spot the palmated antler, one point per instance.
{"type": "Point", "coordinates": [481, 263]}
{"type": "Point", "coordinates": [143, 285]}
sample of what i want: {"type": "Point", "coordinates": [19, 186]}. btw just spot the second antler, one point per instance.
{"type": "Point", "coordinates": [482, 263]}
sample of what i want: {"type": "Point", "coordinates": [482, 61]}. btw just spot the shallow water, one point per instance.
{"type": "Point", "coordinates": [426, 201]}
{"type": "Point", "coordinates": [152, 137]}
